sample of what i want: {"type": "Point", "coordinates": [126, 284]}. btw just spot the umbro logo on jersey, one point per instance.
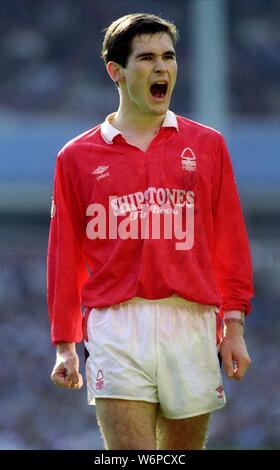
{"type": "Point", "coordinates": [99, 170]}
{"type": "Point", "coordinates": [188, 159]}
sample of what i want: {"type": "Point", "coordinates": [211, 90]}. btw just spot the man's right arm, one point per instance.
{"type": "Point", "coordinates": [66, 270]}
{"type": "Point", "coordinates": [66, 369]}
{"type": "Point", "coordinates": [66, 274]}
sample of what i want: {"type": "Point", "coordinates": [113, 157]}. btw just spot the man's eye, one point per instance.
{"type": "Point", "coordinates": [170, 56]}
{"type": "Point", "coordinates": [147, 57]}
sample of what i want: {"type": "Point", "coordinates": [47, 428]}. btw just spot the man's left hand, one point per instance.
{"type": "Point", "coordinates": [234, 352]}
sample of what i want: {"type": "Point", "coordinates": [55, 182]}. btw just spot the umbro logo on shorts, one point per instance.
{"type": "Point", "coordinates": [220, 391]}
{"type": "Point", "coordinates": [188, 159]}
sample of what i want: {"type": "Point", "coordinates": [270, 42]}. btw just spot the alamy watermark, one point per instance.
{"type": "Point", "coordinates": [156, 213]}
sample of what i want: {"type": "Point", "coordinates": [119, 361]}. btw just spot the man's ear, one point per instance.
{"type": "Point", "coordinates": [115, 71]}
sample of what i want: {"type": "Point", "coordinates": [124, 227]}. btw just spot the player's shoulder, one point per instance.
{"type": "Point", "coordinates": [73, 151]}
{"type": "Point", "coordinates": [186, 124]}
{"type": "Point", "coordinates": [89, 136]}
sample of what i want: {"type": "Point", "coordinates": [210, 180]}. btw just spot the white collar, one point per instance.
{"type": "Point", "coordinates": [109, 132]}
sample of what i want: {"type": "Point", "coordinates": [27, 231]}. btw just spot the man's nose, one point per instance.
{"type": "Point", "coordinates": [160, 65]}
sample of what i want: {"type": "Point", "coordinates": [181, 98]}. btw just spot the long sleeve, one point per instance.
{"type": "Point", "coordinates": [66, 270]}
{"type": "Point", "coordinates": [231, 254]}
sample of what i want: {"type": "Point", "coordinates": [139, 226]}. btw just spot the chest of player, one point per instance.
{"type": "Point", "coordinates": [167, 170]}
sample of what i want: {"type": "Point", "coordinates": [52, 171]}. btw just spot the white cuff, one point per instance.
{"type": "Point", "coordinates": [237, 315]}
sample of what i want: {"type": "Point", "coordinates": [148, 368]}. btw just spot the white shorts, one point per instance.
{"type": "Point", "coordinates": [160, 351]}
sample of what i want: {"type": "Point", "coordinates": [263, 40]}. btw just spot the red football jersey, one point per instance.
{"type": "Point", "coordinates": [150, 224]}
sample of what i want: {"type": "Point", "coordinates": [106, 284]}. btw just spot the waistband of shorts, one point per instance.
{"type": "Point", "coordinates": [172, 300]}
{"type": "Point", "coordinates": [165, 301]}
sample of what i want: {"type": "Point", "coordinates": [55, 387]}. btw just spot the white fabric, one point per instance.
{"type": "Point", "coordinates": [234, 314]}
{"type": "Point", "coordinates": [108, 131]}
{"type": "Point", "coordinates": [162, 351]}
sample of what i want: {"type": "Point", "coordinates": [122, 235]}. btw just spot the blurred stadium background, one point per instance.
{"type": "Point", "coordinates": [53, 86]}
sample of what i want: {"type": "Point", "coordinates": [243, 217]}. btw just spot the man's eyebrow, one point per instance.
{"type": "Point", "coordinates": [143, 54]}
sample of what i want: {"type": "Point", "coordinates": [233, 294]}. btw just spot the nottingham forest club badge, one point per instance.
{"type": "Point", "coordinates": [188, 159]}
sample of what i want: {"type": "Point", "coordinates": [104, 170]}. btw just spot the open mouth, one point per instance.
{"type": "Point", "coordinates": [158, 90]}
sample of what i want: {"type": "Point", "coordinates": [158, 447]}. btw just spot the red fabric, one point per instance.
{"type": "Point", "coordinates": [103, 272]}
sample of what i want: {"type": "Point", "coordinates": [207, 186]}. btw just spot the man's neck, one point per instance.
{"type": "Point", "coordinates": [133, 123]}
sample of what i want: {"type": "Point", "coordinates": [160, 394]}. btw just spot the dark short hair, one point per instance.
{"type": "Point", "coordinates": [119, 35]}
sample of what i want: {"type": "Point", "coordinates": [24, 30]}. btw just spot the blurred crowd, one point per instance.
{"type": "Point", "coordinates": [254, 56]}
{"type": "Point", "coordinates": [50, 54]}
